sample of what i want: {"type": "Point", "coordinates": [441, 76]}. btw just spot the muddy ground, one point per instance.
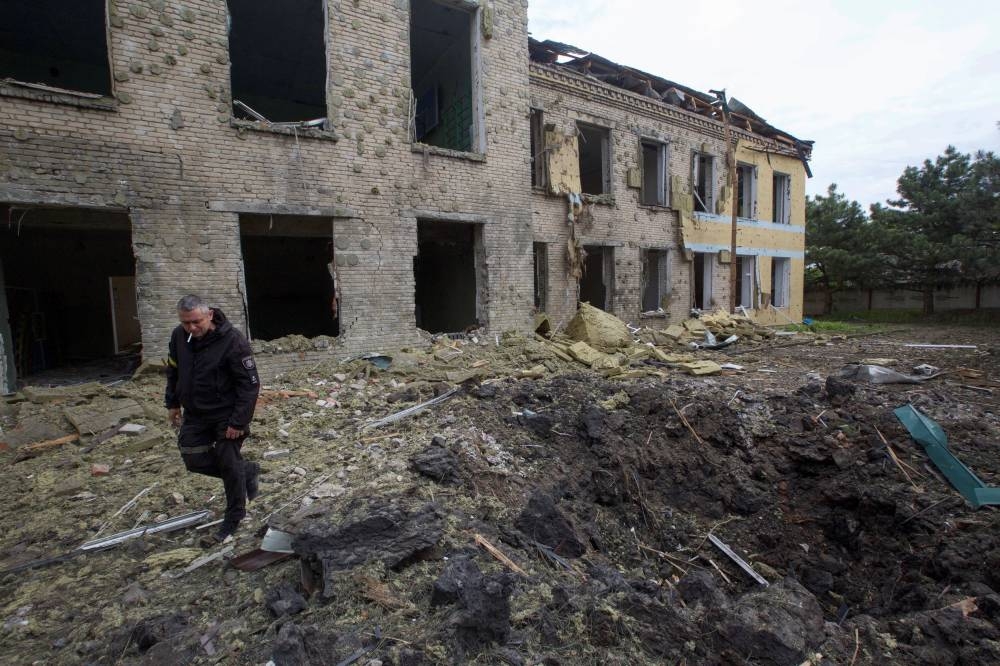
{"type": "Point", "coordinates": [558, 520]}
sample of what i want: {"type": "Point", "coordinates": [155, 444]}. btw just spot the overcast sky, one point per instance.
{"type": "Point", "coordinates": [877, 84]}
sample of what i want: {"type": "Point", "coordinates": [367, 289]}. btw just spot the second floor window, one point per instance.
{"type": "Point", "coordinates": [782, 199]}
{"type": "Point", "coordinates": [595, 159]}
{"type": "Point", "coordinates": [746, 191]}
{"type": "Point", "coordinates": [702, 181]}
{"type": "Point", "coordinates": [654, 174]}
{"type": "Point", "coordinates": [278, 56]}
{"type": "Point", "coordinates": [56, 43]}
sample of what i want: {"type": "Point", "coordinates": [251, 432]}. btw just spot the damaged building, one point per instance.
{"type": "Point", "coordinates": [338, 176]}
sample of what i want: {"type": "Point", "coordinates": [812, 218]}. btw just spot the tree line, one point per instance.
{"type": "Point", "coordinates": [943, 231]}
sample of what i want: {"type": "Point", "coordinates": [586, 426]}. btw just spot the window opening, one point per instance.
{"type": "Point", "coordinates": [746, 191]}
{"type": "Point", "coordinates": [538, 178]}
{"type": "Point", "coordinates": [287, 262]}
{"type": "Point", "coordinates": [541, 266]}
{"type": "Point", "coordinates": [447, 275]}
{"type": "Point", "coordinates": [595, 166]}
{"type": "Point", "coordinates": [780, 276]}
{"type": "Point", "coordinates": [278, 59]}
{"type": "Point", "coordinates": [598, 276]}
{"type": "Point", "coordinates": [70, 318]}
{"type": "Point", "coordinates": [55, 43]}
{"type": "Point", "coordinates": [746, 280]}
{"type": "Point", "coordinates": [702, 172]}
{"type": "Point", "coordinates": [702, 280]}
{"type": "Point", "coordinates": [654, 174]}
{"type": "Point", "coordinates": [656, 280]}
{"type": "Point", "coordinates": [782, 200]}
{"type": "Point", "coordinates": [441, 74]}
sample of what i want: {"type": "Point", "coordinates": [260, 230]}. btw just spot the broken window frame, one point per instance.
{"type": "Point", "coordinates": [662, 194]}
{"type": "Point", "coordinates": [746, 191]}
{"type": "Point", "coordinates": [539, 163]}
{"type": "Point", "coordinates": [477, 140]}
{"type": "Point", "coordinates": [747, 281]}
{"type": "Point", "coordinates": [540, 264]}
{"type": "Point", "coordinates": [663, 286]}
{"type": "Point", "coordinates": [706, 204]}
{"type": "Point", "coordinates": [605, 133]}
{"type": "Point", "coordinates": [781, 274]}
{"type": "Point", "coordinates": [781, 202]}
{"type": "Point", "coordinates": [261, 121]}
{"type": "Point", "coordinates": [15, 87]}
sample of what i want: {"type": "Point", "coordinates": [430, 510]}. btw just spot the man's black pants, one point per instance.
{"type": "Point", "coordinates": [205, 450]}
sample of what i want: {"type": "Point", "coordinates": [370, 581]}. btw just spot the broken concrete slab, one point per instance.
{"type": "Point", "coordinates": [584, 353]}
{"type": "Point", "coordinates": [43, 394]}
{"type": "Point", "coordinates": [699, 368]}
{"type": "Point", "coordinates": [100, 415]}
{"type": "Point", "coordinates": [598, 328]}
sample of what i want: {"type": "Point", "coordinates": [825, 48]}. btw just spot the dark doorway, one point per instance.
{"type": "Point", "coordinates": [446, 296]}
{"type": "Point", "coordinates": [278, 54]}
{"type": "Point", "coordinates": [69, 282]}
{"type": "Point", "coordinates": [287, 264]}
{"type": "Point", "coordinates": [55, 43]}
{"type": "Point", "coordinates": [597, 276]}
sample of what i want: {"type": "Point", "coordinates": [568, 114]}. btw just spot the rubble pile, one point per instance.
{"type": "Point", "coordinates": [521, 500]}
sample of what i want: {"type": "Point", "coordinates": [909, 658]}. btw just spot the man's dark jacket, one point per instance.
{"type": "Point", "coordinates": [213, 376]}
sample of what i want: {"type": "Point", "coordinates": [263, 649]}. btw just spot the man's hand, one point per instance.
{"type": "Point", "coordinates": [233, 433]}
{"type": "Point", "coordinates": [174, 416]}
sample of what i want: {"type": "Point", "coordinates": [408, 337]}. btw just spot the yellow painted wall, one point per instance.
{"type": "Point", "coordinates": [701, 230]}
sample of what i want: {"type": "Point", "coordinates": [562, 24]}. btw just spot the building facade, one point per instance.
{"type": "Point", "coordinates": [350, 172]}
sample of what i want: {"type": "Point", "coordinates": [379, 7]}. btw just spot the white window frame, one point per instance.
{"type": "Point", "coordinates": [748, 279]}
{"type": "Point", "coordinates": [662, 194]}
{"type": "Point", "coordinates": [782, 198]}
{"type": "Point", "coordinates": [781, 274]}
{"type": "Point", "coordinates": [749, 188]}
{"type": "Point", "coordinates": [696, 158]}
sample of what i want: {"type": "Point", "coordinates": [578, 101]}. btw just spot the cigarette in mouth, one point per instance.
{"type": "Point", "coordinates": [189, 336]}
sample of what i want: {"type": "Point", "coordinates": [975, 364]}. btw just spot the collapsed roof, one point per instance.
{"type": "Point", "coordinates": [601, 69]}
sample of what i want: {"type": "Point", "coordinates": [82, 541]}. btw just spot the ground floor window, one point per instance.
{"type": "Point", "coordinates": [597, 283]}
{"type": "Point", "coordinates": [448, 273]}
{"type": "Point", "coordinates": [541, 266]}
{"type": "Point", "coordinates": [746, 281]}
{"type": "Point", "coordinates": [701, 280]}
{"type": "Point", "coordinates": [69, 289]}
{"type": "Point", "coordinates": [655, 279]}
{"type": "Point", "coordinates": [781, 271]}
{"type": "Point", "coordinates": [290, 271]}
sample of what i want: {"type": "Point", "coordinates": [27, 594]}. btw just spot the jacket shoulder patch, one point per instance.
{"type": "Point", "coordinates": [248, 363]}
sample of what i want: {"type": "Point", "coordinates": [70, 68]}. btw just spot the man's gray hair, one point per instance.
{"type": "Point", "coordinates": [190, 303]}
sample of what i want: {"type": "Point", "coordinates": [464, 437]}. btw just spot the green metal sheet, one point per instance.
{"type": "Point", "coordinates": [929, 435]}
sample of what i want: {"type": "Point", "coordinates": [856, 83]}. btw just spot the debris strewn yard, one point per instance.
{"type": "Point", "coordinates": [618, 497]}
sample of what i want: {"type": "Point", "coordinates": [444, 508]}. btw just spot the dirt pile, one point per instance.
{"type": "Point", "coordinates": [562, 519]}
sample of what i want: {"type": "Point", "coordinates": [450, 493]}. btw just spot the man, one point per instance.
{"type": "Point", "coordinates": [212, 376]}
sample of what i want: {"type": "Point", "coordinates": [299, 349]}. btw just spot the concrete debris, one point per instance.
{"type": "Point", "coordinates": [553, 508]}
{"type": "Point", "coordinates": [598, 328]}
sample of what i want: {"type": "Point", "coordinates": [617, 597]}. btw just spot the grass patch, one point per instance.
{"type": "Point", "coordinates": [835, 326]}
{"type": "Point", "coordinates": [982, 317]}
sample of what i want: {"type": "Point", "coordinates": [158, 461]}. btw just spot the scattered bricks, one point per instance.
{"type": "Point", "coordinates": [100, 469]}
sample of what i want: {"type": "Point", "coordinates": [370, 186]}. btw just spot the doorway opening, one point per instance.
{"type": "Point", "coordinates": [596, 285]}
{"type": "Point", "coordinates": [446, 270]}
{"type": "Point", "coordinates": [289, 269]}
{"type": "Point", "coordinates": [69, 286]}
